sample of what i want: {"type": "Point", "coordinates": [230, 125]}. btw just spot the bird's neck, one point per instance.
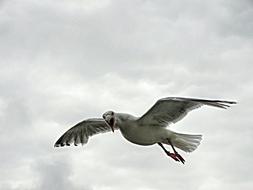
{"type": "Point", "coordinates": [121, 118]}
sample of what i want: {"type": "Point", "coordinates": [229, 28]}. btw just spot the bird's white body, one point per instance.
{"type": "Point", "coordinates": [141, 135]}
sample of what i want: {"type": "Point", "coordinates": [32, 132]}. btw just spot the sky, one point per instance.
{"type": "Point", "coordinates": [63, 61]}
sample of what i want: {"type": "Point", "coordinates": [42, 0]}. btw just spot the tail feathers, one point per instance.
{"type": "Point", "coordinates": [186, 142]}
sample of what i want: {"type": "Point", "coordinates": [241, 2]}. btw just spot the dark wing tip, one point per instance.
{"type": "Point", "coordinates": [216, 103]}
{"type": "Point", "coordinates": [59, 145]}
{"type": "Point", "coordinates": [232, 102]}
{"type": "Point", "coordinates": [60, 142]}
{"type": "Point", "coordinates": [225, 104]}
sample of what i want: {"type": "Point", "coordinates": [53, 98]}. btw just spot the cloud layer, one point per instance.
{"type": "Point", "coordinates": [64, 61]}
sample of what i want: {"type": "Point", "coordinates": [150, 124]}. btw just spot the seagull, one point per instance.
{"type": "Point", "coordinates": [149, 129]}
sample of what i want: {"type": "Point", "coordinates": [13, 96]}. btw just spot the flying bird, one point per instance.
{"type": "Point", "coordinates": [151, 128]}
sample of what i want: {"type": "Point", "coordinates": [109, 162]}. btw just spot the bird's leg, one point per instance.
{"type": "Point", "coordinates": [176, 153]}
{"type": "Point", "coordinates": [172, 155]}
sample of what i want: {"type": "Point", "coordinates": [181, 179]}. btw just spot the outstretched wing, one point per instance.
{"type": "Point", "coordinates": [80, 133]}
{"type": "Point", "coordinates": [172, 109]}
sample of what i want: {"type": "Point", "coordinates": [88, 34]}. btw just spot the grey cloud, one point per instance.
{"type": "Point", "coordinates": [124, 45]}
{"type": "Point", "coordinates": [236, 19]}
{"type": "Point", "coordinates": [55, 175]}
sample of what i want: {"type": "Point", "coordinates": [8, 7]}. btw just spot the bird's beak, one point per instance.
{"type": "Point", "coordinates": [111, 123]}
{"type": "Point", "coordinates": [112, 128]}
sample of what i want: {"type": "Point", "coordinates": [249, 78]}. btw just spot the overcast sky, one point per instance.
{"type": "Point", "coordinates": [66, 60]}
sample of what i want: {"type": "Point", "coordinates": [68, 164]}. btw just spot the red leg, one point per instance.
{"type": "Point", "coordinates": [176, 153]}
{"type": "Point", "coordinates": [172, 155]}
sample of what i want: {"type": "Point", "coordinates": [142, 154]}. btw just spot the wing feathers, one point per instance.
{"type": "Point", "coordinates": [172, 109]}
{"type": "Point", "coordinates": [80, 133]}
{"type": "Point", "coordinates": [216, 103]}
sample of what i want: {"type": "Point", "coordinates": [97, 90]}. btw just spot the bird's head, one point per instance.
{"type": "Point", "coordinates": [109, 118]}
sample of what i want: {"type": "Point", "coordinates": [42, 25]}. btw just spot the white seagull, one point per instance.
{"type": "Point", "coordinates": [151, 128]}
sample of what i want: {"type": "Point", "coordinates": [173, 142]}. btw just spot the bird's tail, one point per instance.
{"type": "Point", "coordinates": [186, 142]}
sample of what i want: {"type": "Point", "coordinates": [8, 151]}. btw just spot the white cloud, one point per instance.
{"type": "Point", "coordinates": [59, 57]}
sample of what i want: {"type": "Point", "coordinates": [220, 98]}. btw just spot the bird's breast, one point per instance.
{"type": "Point", "coordinates": [138, 134]}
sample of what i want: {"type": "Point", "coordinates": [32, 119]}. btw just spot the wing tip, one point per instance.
{"type": "Point", "coordinates": [56, 145]}
{"type": "Point", "coordinates": [62, 144]}
{"type": "Point", "coordinates": [225, 104]}
{"type": "Point", "coordinates": [59, 144]}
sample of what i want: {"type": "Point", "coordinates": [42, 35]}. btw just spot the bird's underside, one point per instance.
{"type": "Point", "coordinates": [150, 128]}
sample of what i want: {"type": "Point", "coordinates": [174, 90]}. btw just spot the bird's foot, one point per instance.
{"type": "Point", "coordinates": [173, 156]}
{"type": "Point", "coordinates": [180, 157]}
{"type": "Point", "coordinates": [177, 157]}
